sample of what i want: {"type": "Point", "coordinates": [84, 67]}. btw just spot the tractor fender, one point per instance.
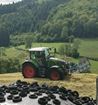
{"type": "Point", "coordinates": [26, 62]}
{"type": "Point", "coordinates": [30, 63]}
{"type": "Point", "coordinates": [56, 67]}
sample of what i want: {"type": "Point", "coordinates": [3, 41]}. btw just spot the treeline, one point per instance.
{"type": "Point", "coordinates": [77, 17]}
{"type": "Point", "coordinates": [49, 20]}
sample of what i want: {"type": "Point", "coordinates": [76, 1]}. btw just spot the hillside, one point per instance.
{"type": "Point", "coordinates": [85, 84]}
{"type": "Point", "coordinates": [77, 17]}
{"type": "Point", "coordinates": [49, 20]}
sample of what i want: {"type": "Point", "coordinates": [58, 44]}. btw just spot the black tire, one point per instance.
{"type": "Point", "coordinates": [9, 97]}
{"type": "Point", "coordinates": [29, 71]}
{"type": "Point", "coordinates": [14, 92]}
{"type": "Point", "coordinates": [42, 101]}
{"type": "Point", "coordinates": [33, 96]}
{"type": "Point", "coordinates": [23, 94]}
{"type": "Point", "coordinates": [2, 99]}
{"type": "Point", "coordinates": [17, 99]}
{"type": "Point", "coordinates": [56, 74]}
{"type": "Point", "coordinates": [56, 102]}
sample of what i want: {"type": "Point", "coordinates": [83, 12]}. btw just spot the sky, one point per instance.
{"type": "Point", "coordinates": [8, 1]}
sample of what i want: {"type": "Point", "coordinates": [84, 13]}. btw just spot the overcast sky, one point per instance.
{"type": "Point", "coordinates": [8, 1]}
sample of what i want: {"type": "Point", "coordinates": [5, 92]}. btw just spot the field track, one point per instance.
{"type": "Point", "coordinates": [85, 84]}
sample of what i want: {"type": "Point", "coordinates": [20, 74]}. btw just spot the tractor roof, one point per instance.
{"type": "Point", "coordinates": [39, 49]}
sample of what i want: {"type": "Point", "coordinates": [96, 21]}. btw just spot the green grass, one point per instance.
{"type": "Point", "coordinates": [87, 48]}
{"type": "Point", "coordinates": [55, 45]}
{"type": "Point", "coordinates": [14, 53]}
{"type": "Point", "coordinates": [94, 67]}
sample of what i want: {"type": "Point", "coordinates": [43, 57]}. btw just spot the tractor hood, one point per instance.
{"type": "Point", "coordinates": [57, 59]}
{"type": "Point", "coordinates": [60, 63]}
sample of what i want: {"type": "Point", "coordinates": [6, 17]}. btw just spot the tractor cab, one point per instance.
{"type": "Point", "coordinates": [40, 55]}
{"type": "Point", "coordinates": [39, 52]}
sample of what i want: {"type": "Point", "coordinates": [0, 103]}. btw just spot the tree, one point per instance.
{"type": "Point", "coordinates": [55, 20]}
{"type": "Point", "coordinates": [75, 48]}
{"type": "Point", "coordinates": [4, 36]}
{"type": "Point", "coordinates": [2, 52]}
{"type": "Point", "coordinates": [64, 34]}
{"type": "Point", "coordinates": [28, 41]}
{"type": "Point", "coordinates": [76, 44]}
{"type": "Point", "coordinates": [62, 49]}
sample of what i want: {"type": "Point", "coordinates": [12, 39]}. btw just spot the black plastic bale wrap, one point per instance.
{"type": "Point", "coordinates": [23, 93]}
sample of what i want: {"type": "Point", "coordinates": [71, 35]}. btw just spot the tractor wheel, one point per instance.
{"type": "Point", "coordinates": [28, 71]}
{"type": "Point", "coordinates": [56, 75]}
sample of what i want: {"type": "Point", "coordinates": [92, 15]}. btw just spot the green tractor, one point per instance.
{"type": "Point", "coordinates": [41, 63]}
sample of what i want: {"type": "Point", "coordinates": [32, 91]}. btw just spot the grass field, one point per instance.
{"type": "Point", "coordinates": [85, 84]}
{"type": "Point", "coordinates": [87, 48]}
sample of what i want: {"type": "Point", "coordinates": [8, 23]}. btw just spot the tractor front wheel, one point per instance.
{"type": "Point", "coordinates": [28, 71]}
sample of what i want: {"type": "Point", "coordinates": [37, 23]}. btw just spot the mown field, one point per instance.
{"type": "Point", "coordinates": [87, 48]}
{"type": "Point", "coordinates": [85, 84]}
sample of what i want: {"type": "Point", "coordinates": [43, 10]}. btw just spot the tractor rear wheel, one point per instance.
{"type": "Point", "coordinates": [28, 71]}
{"type": "Point", "coordinates": [56, 75]}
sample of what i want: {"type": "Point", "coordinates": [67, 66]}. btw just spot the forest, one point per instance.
{"type": "Point", "coordinates": [48, 21]}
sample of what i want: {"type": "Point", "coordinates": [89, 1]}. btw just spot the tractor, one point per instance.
{"type": "Point", "coordinates": [42, 63]}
